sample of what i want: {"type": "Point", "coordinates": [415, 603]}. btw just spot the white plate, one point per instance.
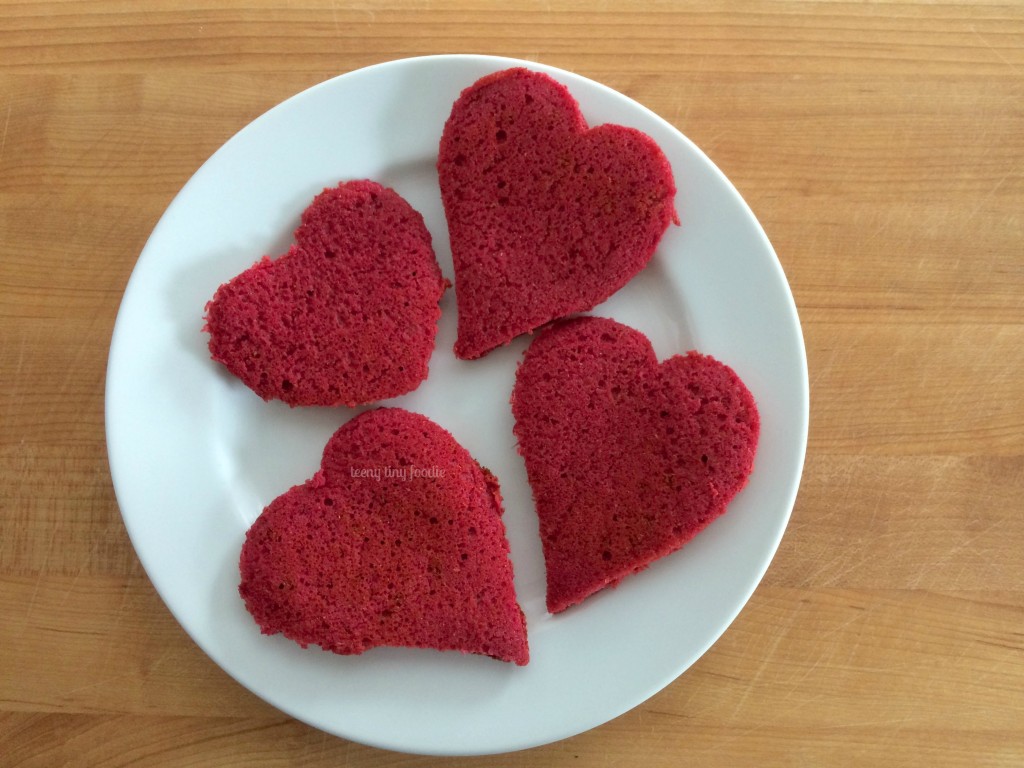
{"type": "Point", "coordinates": [195, 456]}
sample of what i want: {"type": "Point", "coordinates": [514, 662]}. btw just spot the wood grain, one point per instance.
{"type": "Point", "coordinates": [882, 147]}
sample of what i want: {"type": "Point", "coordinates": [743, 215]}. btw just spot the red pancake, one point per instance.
{"type": "Point", "coordinates": [546, 216]}
{"type": "Point", "coordinates": [628, 459]}
{"type": "Point", "coordinates": [347, 316]}
{"type": "Point", "coordinates": [396, 541]}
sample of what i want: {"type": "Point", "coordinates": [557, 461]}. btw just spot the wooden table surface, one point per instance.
{"type": "Point", "coordinates": [882, 147]}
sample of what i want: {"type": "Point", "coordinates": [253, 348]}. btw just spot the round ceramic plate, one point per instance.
{"type": "Point", "coordinates": [195, 456]}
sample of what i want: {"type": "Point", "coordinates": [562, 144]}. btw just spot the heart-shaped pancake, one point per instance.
{"type": "Point", "coordinates": [546, 216]}
{"type": "Point", "coordinates": [347, 316]}
{"type": "Point", "coordinates": [628, 459]}
{"type": "Point", "coordinates": [396, 541]}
